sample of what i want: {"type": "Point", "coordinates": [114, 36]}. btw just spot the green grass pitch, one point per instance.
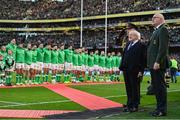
{"type": "Point", "coordinates": [39, 98]}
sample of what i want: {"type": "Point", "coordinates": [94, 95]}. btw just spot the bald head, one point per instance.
{"type": "Point", "coordinates": [158, 19]}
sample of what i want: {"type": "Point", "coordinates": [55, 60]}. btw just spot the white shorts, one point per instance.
{"type": "Point", "coordinates": [34, 66]}
{"type": "Point", "coordinates": [47, 65]}
{"type": "Point", "coordinates": [102, 69]}
{"type": "Point", "coordinates": [68, 66]}
{"type": "Point", "coordinates": [54, 66]}
{"type": "Point", "coordinates": [91, 69]}
{"type": "Point", "coordinates": [40, 65]}
{"type": "Point", "coordinates": [27, 67]}
{"type": "Point", "coordinates": [83, 68]}
{"type": "Point", "coordinates": [60, 66]}
{"type": "Point", "coordinates": [116, 69]}
{"type": "Point", "coordinates": [75, 67]}
{"type": "Point", "coordinates": [79, 68]}
{"type": "Point", "coordinates": [19, 65]}
{"type": "Point", "coordinates": [96, 67]}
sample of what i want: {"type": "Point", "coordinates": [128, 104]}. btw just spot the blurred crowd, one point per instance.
{"type": "Point", "coordinates": [48, 9]}
{"type": "Point", "coordinates": [91, 38]}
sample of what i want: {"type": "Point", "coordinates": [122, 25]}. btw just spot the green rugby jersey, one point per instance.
{"type": "Point", "coordinates": [102, 61]}
{"type": "Point", "coordinates": [96, 59]}
{"type": "Point", "coordinates": [47, 55]}
{"type": "Point", "coordinates": [68, 55]}
{"type": "Point", "coordinates": [40, 54]}
{"type": "Point", "coordinates": [12, 47]}
{"type": "Point", "coordinates": [113, 63]}
{"type": "Point", "coordinates": [61, 57]}
{"type": "Point", "coordinates": [108, 62]}
{"type": "Point", "coordinates": [28, 56]}
{"type": "Point", "coordinates": [20, 55]}
{"type": "Point", "coordinates": [54, 57]}
{"type": "Point", "coordinates": [75, 59]}
{"type": "Point", "coordinates": [85, 58]}
{"type": "Point", "coordinates": [118, 61]}
{"type": "Point", "coordinates": [34, 56]}
{"type": "Point", "coordinates": [90, 60]}
{"type": "Point", "coordinates": [80, 60]}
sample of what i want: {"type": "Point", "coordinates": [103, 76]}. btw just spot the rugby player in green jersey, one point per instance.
{"type": "Point", "coordinates": [47, 61]}
{"type": "Point", "coordinates": [91, 63]}
{"type": "Point", "coordinates": [118, 62]}
{"type": "Point", "coordinates": [68, 59]}
{"type": "Point", "coordinates": [68, 63]}
{"type": "Point", "coordinates": [40, 58]}
{"type": "Point", "coordinates": [20, 63]}
{"type": "Point", "coordinates": [85, 64]}
{"type": "Point", "coordinates": [75, 61]}
{"type": "Point", "coordinates": [113, 62]}
{"type": "Point", "coordinates": [61, 58]}
{"type": "Point", "coordinates": [54, 61]}
{"type": "Point", "coordinates": [102, 62]}
{"type": "Point", "coordinates": [75, 64]}
{"type": "Point", "coordinates": [96, 62]}
{"type": "Point", "coordinates": [34, 64]}
{"type": "Point", "coordinates": [2, 69]}
{"type": "Point", "coordinates": [108, 70]}
{"type": "Point", "coordinates": [12, 46]}
{"type": "Point", "coordinates": [108, 63]}
{"type": "Point", "coordinates": [10, 64]}
{"type": "Point", "coordinates": [80, 63]}
{"type": "Point", "coordinates": [61, 61]}
{"type": "Point", "coordinates": [28, 62]}
{"type": "Point", "coordinates": [85, 59]}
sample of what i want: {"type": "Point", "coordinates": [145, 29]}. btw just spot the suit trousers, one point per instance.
{"type": "Point", "coordinates": [132, 84]}
{"type": "Point", "coordinates": [159, 85]}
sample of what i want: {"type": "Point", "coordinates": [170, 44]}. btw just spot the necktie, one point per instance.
{"type": "Point", "coordinates": [130, 45]}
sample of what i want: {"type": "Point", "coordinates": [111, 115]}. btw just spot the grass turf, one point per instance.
{"type": "Point", "coordinates": [34, 97]}
{"type": "Point", "coordinates": [117, 93]}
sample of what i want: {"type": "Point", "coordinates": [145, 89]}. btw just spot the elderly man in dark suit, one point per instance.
{"type": "Point", "coordinates": [157, 53]}
{"type": "Point", "coordinates": [132, 65]}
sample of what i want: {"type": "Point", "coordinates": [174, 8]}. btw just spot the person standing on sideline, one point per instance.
{"type": "Point", "coordinates": [173, 69]}
{"type": "Point", "coordinates": [157, 54]}
{"type": "Point", "coordinates": [132, 65]}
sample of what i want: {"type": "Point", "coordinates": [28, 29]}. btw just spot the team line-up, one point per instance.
{"type": "Point", "coordinates": [36, 64]}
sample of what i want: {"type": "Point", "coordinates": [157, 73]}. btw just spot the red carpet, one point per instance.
{"type": "Point", "coordinates": [87, 100]}
{"type": "Point", "coordinates": [29, 113]}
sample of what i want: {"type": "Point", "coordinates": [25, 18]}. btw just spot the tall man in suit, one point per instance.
{"type": "Point", "coordinates": [157, 53]}
{"type": "Point", "coordinates": [132, 65]}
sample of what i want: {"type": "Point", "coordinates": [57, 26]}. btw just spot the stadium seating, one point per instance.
{"type": "Point", "coordinates": [43, 9]}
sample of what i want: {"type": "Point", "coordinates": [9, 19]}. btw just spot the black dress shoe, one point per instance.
{"type": "Point", "coordinates": [158, 114]}
{"type": "Point", "coordinates": [134, 110]}
{"type": "Point", "coordinates": [126, 109]}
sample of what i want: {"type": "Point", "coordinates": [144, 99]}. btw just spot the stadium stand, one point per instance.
{"type": "Point", "coordinates": [43, 9]}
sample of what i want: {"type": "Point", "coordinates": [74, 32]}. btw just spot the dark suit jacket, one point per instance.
{"type": "Point", "coordinates": [157, 50]}
{"type": "Point", "coordinates": [134, 58]}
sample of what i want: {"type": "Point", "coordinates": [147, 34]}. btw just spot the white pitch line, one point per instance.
{"type": "Point", "coordinates": [38, 103]}
{"type": "Point", "coordinates": [11, 102]}
{"type": "Point", "coordinates": [144, 92]}
{"type": "Point", "coordinates": [64, 101]}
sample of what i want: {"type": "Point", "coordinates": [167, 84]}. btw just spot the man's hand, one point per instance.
{"type": "Point", "coordinates": [156, 66]}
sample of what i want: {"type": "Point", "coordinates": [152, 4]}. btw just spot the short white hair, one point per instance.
{"type": "Point", "coordinates": [135, 32]}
